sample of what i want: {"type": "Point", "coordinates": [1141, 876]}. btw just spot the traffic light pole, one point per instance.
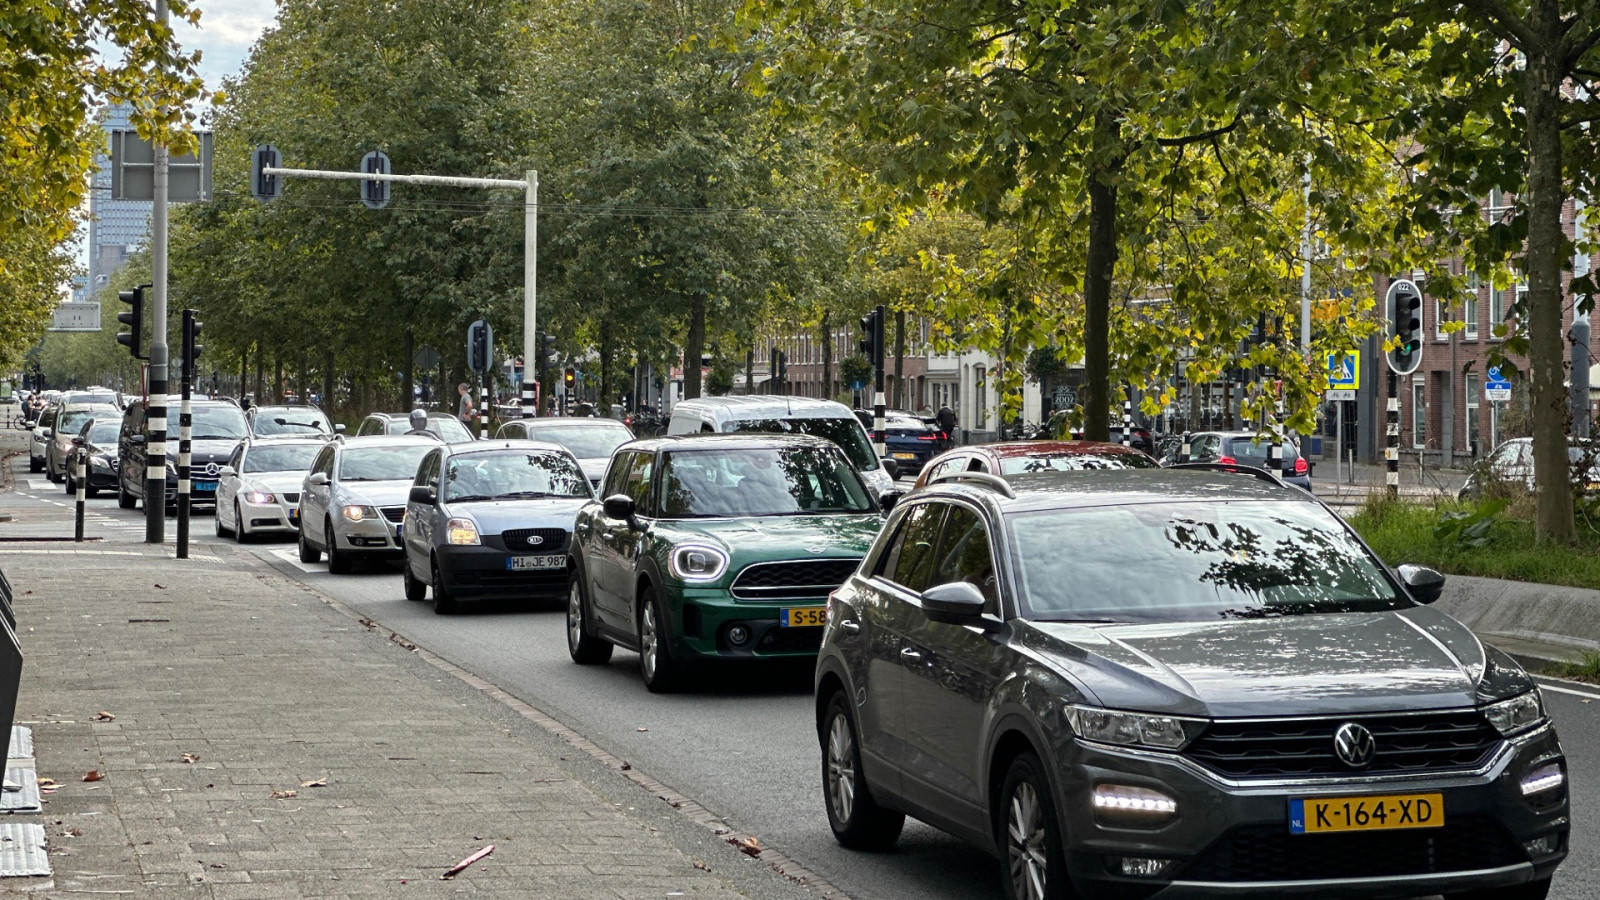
{"type": "Point", "coordinates": [1391, 452]}
{"type": "Point", "coordinates": [879, 438]}
{"type": "Point", "coordinates": [155, 481]}
{"type": "Point", "coordinates": [184, 425]}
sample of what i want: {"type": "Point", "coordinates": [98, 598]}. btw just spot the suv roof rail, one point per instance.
{"type": "Point", "coordinates": [1260, 473]}
{"type": "Point", "coordinates": [993, 482]}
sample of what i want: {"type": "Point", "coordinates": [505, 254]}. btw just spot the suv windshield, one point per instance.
{"type": "Point", "coordinates": [292, 421]}
{"type": "Point", "coordinates": [382, 463]}
{"type": "Point", "coordinates": [1242, 560]}
{"type": "Point", "coordinates": [513, 475]}
{"type": "Point", "coordinates": [213, 423]}
{"type": "Point", "coordinates": [1070, 462]}
{"type": "Point", "coordinates": [280, 458]}
{"type": "Point", "coordinates": [769, 481]}
{"type": "Point", "coordinates": [847, 433]}
{"type": "Point", "coordinates": [585, 441]}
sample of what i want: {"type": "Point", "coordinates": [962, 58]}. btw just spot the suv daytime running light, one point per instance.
{"type": "Point", "coordinates": [1547, 777]}
{"type": "Point", "coordinates": [697, 563]}
{"type": "Point", "coordinates": [1138, 801]}
{"type": "Point", "coordinates": [1517, 714]}
{"type": "Point", "coordinates": [1132, 729]}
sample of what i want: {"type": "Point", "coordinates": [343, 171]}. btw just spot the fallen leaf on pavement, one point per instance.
{"type": "Point", "coordinates": [641, 728]}
{"type": "Point", "coordinates": [627, 766]}
{"type": "Point", "coordinates": [456, 869]}
{"type": "Point", "coordinates": [190, 758]}
{"type": "Point", "coordinates": [284, 795]}
{"type": "Point", "coordinates": [219, 865]}
{"type": "Point", "coordinates": [315, 782]}
{"type": "Point", "coordinates": [161, 586]}
{"type": "Point", "coordinates": [73, 832]}
{"type": "Point", "coordinates": [748, 846]}
{"type": "Point", "coordinates": [700, 864]}
{"type": "Point", "coordinates": [103, 716]}
{"type": "Point", "coordinates": [93, 775]}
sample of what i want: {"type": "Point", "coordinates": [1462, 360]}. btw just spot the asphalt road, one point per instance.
{"type": "Point", "coordinates": [741, 742]}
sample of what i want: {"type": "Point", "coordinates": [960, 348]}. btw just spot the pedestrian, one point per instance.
{"type": "Point", "coordinates": [467, 408]}
{"type": "Point", "coordinates": [946, 417]}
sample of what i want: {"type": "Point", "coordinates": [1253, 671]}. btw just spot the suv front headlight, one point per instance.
{"type": "Point", "coordinates": [697, 563]}
{"type": "Point", "coordinates": [356, 513]}
{"type": "Point", "coordinates": [1104, 726]}
{"type": "Point", "coordinates": [1518, 714]}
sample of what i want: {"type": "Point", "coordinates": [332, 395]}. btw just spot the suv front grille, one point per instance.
{"type": "Point", "coordinates": [551, 540]}
{"type": "Point", "coordinates": [1270, 853]}
{"type": "Point", "coordinates": [1298, 748]}
{"type": "Point", "coordinates": [802, 580]}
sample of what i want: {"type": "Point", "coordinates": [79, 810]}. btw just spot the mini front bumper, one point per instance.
{"type": "Point", "coordinates": [482, 573]}
{"type": "Point", "coordinates": [1232, 839]}
{"type": "Point", "coordinates": [705, 621]}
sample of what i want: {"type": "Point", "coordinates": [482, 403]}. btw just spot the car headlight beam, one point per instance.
{"type": "Point", "coordinates": [1518, 714]}
{"type": "Point", "coordinates": [462, 531]}
{"type": "Point", "coordinates": [260, 497]}
{"type": "Point", "coordinates": [1104, 726]}
{"type": "Point", "coordinates": [356, 513]}
{"type": "Point", "coordinates": [697, 563]}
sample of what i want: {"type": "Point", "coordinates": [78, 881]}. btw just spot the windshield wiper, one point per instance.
{"type": "Point", "coordinates": [470, 498]}
{"type": "Point", "coordinates": [523, 495]}
{"type": "Point", "coordinates": [1081, 621]}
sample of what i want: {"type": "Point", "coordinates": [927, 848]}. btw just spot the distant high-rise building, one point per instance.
{"type": "Point", "coordinates": [116, 227]}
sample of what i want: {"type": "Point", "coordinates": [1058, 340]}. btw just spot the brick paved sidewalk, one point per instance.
{"type": "Point", "coordinates": [265, 687]}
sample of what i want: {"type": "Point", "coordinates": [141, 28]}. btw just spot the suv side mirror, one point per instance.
{"type": "Point", "coordinates": [79, 441]}
{"type": "Point", "coordinates": [620, 507]}
{"type": "Point", "coordinates": [338, 429]}
{"type": "Point", "coordinates": [891, 465]}
{"type": "Point", "coordinates": [957, 601]}
{"type": "Point", "coordinates": [421, 493]}
{"type": "Point", "coordinates": [317, 479]}
{"type": "Point", "coordinates": [889, 499]}
{"type": "Point", "coordinates": [1424, 583]}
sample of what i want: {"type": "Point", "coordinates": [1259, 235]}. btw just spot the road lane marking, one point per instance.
{"type": "Point", "coordinates": [291, 555]}
{"type": "Point", "coordinates": [1566, 690]}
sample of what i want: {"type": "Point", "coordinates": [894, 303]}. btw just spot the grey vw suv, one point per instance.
{"type": "Point", "coordinates": [1178, 684]}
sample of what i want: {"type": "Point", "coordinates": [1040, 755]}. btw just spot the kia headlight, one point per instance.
{"type": "Point", "coordinates": [1517, 714]}
{"type": "Point", "coordinates": [356, 513]}
{"type": "Point", "coordinates": [698, 563]}
{"type": "Point", "coordinates": [1104, 726]}
{"type": "Point", "coordinates": [259, 498]}
{"type": "Point", "coordinates": [462, 531]}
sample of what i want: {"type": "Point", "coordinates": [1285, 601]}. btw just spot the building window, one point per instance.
{"type": "Point", "coordinates": [1473, 397]}
{"type": "Point", "coordinates": [1519, 313]}
{"type": "Point", "coordinates": [1469, 309]}
{"type": "Point", "coordinates": [1499, 206]}
{"type": "Point", "coordinates": [1580, 235]}
{"type": "Point", "coordinates": [1497, 307]}
{"type": "Point", "coordinates": [980, 399]}
{"type": "Point", "coordinates": [1419, 413]}
{"type": "Point", "coordinates": [1441, 315]}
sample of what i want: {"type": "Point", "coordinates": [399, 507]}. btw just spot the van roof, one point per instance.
{"type": "Point", "coordinates": [759, 407]}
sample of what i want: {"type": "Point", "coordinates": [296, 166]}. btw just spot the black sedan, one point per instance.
{"type": "Point", "coordinates": [98, 438]}
{"type": "Point", "coordinates": [1285, 716]}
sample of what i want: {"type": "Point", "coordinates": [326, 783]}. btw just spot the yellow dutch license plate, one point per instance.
{"type": "Point", "coordinates": [905, 456]}
{"type": "Point", "coordinates": [804, 617]}
{"type": "Point", "coordinates": [1315, 815]}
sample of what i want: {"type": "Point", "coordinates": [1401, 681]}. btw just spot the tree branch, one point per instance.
{"type": "Point", "coordinates": [1575, 55]}
{"type": "Point", "coordinates": [1503, 23]}
{"type": "Point", "coordinates": [1200, 138]}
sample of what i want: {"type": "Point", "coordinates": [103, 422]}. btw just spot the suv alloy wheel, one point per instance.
{"type": "Point", "coordinates": [661, 672]}
{"type": "Point", "coordinates": [857, 820]}
{"type": "Point", "coordinates": [1030, 833]}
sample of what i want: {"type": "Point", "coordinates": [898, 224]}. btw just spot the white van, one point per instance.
{"type": "Point", "coordinates": [785, 415]}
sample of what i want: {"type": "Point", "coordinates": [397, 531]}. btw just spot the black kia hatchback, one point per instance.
{"type": "Point", "coordinates": [1178, 684]}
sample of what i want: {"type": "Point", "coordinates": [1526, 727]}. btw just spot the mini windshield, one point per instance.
{"type": "Point", "coordinates": [382, 463]}
{"type": "Point", "coordinates": [513, 475]}
{"type": "Point", "coordinates": [213, 423]}
{"type": "Point", "coordinates": [773, 481]}
{"type": "Point", "coordinates": [292, 421]}
{"type": "Point", "coordinates": [585, 441]}
{"type": "Point", "coordinates": [280, 458]}
{"type": "Point", "coordinates": [847, 433]}
{"type": "Point", "coordinates": [1075, 462]}
{"type": "Point", "coordinates": [1195, 562]}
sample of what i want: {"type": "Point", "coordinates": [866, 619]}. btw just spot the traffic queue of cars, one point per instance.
{"type": "Point", "coordinates": [1122, 680]}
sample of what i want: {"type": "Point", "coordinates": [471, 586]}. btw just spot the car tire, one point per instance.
{"type": "Point", "coordinates": [125, 500]}
{"type": "Point", "coordinates": [308, 551]}
{"type": "Point", "coordinates": [239, 532]}
{"type": "Point", "coordinates": [444, 603]}
{"type": "Point", "coordinates": [416, 591]}
{"type": "Point", "coordinates": [71, 486]}
{"type": "Point", "coordinates": [584, 646]}
{"type": "Point", "coordinates": [857, 820]}
{"type": "Point", "coordinates": [1028, 832]}
{"type": "Point", "coordinates": [51, 476]}
{"type": "Point", "coordinates": [91, 492]}
{"type": "Point", "coordinates": [35, 465]}
{"type": "Point", "coordinates": [338, 560]}
{"type": "Point", "coordinates": [217, 522]}
{"type": "Point", "coordinates": [1533, 890]}
{"type": "Point", "coordinates": [660, 671]}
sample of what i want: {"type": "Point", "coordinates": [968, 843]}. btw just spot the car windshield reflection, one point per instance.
{"type": "Point", "coordinates": [513, 475]}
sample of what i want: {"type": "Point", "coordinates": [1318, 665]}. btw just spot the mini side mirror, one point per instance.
{"type": "Point", "coordinates": [30, 425]}
{"type": "Point", "coordinates": [46, 432]}
{"type": "Point", "coordinates": [957, 601]}
{"type": "Point", "coordinates": [421, 493]}
{"type": "Point", "coordinates": [620, 507]}
{"type": "Point", "coordinates": [892, 466]}
{"type": "Point", "coordinates": [317, 479]}
{"type": "Point", "coordinates": [1425, 584]}
{"type": "Point", "coordinates": [225, 471]}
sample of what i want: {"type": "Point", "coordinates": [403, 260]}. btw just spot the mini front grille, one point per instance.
{"type": "Point", "coordinates": [551, 540]}
{"type": "Point", "coordinates": [1270, 853]}
{"type": "Point", "coordinates": [1298, 748]}
{"type": "Point", "coordinates": [394, 513]}
{"type": "Point", "coordinates": [800, 580]}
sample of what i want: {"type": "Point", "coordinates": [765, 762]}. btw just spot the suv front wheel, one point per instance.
{"type": "Point", "coordinates": [661, 672]}
{"type": "Point", "coordinates": [857, 820]}
{"type": "Point", "coordinates": [1030, 835]}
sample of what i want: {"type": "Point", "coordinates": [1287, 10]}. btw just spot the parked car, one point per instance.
{"type": "Point", "coordinates": [290, 420]}
{"type": "Point", "coordinates": [39, 437]}
{"type": "Point", "coordinates": [1246, 449]}
{"type": "Point", "coordinates": [65, 425]}
{"type": "Point", "coordinates": [491, 520]}
{"type": "Point", "coordinates": [1059, 428]}
{"type": "Point", "coordinates": [98, 439]}
{"type": "Point", "coordinates": [590, 440]}
{"type": "Point", "coordinates": [259, 488]}
{"type": "Point", "coordinates": [353, 500]}
{"type": "Point", "coordinates": [216, 427]}
{"type": "Point", "coordinates": [715, 547]}
{"type": "Point", "coordinates": [444, 424]}
{"type": "Point", "coordinates": [99, 396]}
{"type": "Point", "coordinates": [787, 415]}
{"type": "Point", "coordinates": [908, 440]}
{"type": "Point", "coordinates": [1019, 457]}
{"type": "Point", "coordinates": [1512, 463]}
{"type": "Point", "coordinates": [1284, 715]}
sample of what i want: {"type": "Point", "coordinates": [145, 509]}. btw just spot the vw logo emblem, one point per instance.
{"type": "Point", "coordinates": [535, 540]}
{"type": "Point", "coordinates": [1354, 745]}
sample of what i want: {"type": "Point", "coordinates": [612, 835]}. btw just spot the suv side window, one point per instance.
{"type": "Point", "coordinates": [953, 464]}
{"type": "Point", "coordinates": [48, 420]}
{"type": "Point", "coordinates": [964, 555]}
{"type": "Point", "coordinates": [237, 459]}
{"type": "Point", "coordinates": [908, 561]}
{"type": "Point", "coordinates": [370, 425]}
{"type": "Point", "coordinates": [638, 483]}
{"type": "Point", "coordinates": [1205, 448]}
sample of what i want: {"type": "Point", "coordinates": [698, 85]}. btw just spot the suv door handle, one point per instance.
{"type": "Point", "coordinates": [910, 653]}
{"type": "Point", "coordinates": [850, 626]}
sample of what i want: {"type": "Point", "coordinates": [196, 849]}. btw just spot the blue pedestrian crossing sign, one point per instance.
{"type": "Point", "coordinates": [1496, 386]}
{"type": "Point", "coordinates": [1344, 371]}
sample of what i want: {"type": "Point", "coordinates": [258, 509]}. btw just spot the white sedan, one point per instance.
{"type": "Point", "coordinates": [259, 488]}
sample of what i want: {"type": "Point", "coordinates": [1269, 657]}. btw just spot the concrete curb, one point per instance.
{"type": "Point", "coordinates": [1541, 624]}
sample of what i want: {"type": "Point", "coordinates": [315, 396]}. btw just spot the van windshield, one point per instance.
{"type": "Point", "coordinates": [846, 432]}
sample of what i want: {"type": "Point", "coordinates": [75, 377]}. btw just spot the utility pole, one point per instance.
{"type": "Point", "coordinates": [155, 479]}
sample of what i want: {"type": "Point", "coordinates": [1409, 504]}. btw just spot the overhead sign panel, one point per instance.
{"type": "Point", "coordinates": [133, 170]}
{"type": "Point", "coordinates": [74, 316]}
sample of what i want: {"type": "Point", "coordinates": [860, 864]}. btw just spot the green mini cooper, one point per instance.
{"type": "Point", "coordinates": [715, 547]}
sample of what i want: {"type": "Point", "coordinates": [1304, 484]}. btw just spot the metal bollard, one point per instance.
{"type": "Point", "coordinates": [80, 477]}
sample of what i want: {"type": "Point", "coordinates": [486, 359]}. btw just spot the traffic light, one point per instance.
{"type": "Point", "coordinates": [264, 187]}
{"type": "Point", "coordinates": [570, 378]}
{"type": "Point", "coordinates": [871, 343]}
{"type": "Point", "coordinates": [480, 347]}
{"type": "Point", "coordinates": [1404, 307]}
{"type": "Point", "coordinates": [191, 349]}
{"type": "Point", "coordinates": [547, 350]}
{"type": "Point", "coordinates": [134, 319]}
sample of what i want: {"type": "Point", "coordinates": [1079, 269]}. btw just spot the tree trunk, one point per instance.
{"type": "Point", "coordinates": [899, 358]}
{"type": "Point", "coordinates": [694, 345]}
{"type": "Point", "coordinates": [603, 407]}
{"type": "Point", "coordinates": [407, 350]}
{"type": "Point", "coordinates": [261, 377]}
{"type": "Point", "coordinates": [827, 357]}
{"type": "Point", "coordinates": [1542, 100]}
{"type": "Point", "coordinates": [1099, 266]}
{"type": "Point", "coordinates": [244, 370]}
{"type": "Point", "coordinates": [328, 406]}
{"type": "Point", "coordinates": [277, 376]}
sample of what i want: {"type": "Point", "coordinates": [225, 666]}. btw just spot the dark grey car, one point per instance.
{"type": "Point", "coordinates": [1178, 684]}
